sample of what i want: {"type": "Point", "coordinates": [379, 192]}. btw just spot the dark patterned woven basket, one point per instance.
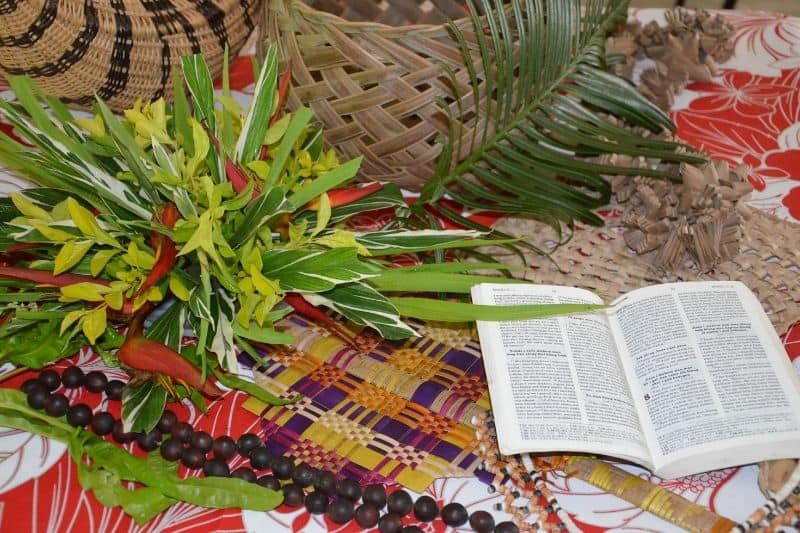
{"type": "Point", "coordinates": [120, 50]}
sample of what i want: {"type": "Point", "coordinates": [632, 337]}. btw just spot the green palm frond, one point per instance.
{"type": "Point", "coordinates": [543, 112]}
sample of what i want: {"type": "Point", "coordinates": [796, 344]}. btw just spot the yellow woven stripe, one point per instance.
{"type": "Point", "coordinates": [601, 477]}
{"type": "Point", "coordinates": [461, 436]}
{"type": "Point", "coordinates": [326, 347]}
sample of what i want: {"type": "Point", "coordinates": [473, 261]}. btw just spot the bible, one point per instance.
{"type": "Point", "coordinates": [680, 378]}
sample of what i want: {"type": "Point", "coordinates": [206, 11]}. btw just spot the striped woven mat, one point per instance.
{"type": "Point", "coordinates": [385, 411]}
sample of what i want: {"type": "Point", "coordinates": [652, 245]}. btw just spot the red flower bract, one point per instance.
{"type": "Point", "coordinates": [151, 356]}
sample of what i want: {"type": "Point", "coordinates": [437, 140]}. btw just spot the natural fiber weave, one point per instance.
{"type": "Point", "coordinates": [388, 411]}
{"type": "Point", "coordinates": [599, 260]}
{"type": "Point", "coordinates": [373, 86]}
{"type": "Point", "coordinates": [119, 50]}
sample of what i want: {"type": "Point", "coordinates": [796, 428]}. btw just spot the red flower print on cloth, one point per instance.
{"type": "Point", "coordinates": [745, 118]}
{"type": "Point", "coordinates": [762, 41]}
{"type": "Point", "coordinates": [742, 93]}
{"type": "Point", "coordinates": [792, 202]}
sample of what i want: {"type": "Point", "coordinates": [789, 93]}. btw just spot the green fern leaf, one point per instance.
{"type": "Point", "coordinates": [539, 112]}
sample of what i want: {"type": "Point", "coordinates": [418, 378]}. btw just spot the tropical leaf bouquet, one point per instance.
{"type": "Point", "coordinates": [197, 216]}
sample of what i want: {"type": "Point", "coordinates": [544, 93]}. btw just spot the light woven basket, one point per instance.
{"type": "Point", "coordinates": [373, 85]}
{"type": "Point", "coordinates": [119, 50]}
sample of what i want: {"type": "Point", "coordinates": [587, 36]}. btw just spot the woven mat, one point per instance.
{"type": "Point", "coordinates": [390, 411]}
{"type": "Point", "coordinates": [597, 259]}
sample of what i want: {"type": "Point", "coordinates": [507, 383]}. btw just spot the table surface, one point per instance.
{"type": "Point", "coordinates": [750, 114]}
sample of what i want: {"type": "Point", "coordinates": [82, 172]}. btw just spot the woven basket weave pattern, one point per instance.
{"type": "Point", "coordinates": [373, 86]}
{"type": "Point", "coordinates": [119, 50]}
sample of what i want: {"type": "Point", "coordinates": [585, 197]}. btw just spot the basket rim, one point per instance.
{"type": "Point", "coordinates": [350, 27]}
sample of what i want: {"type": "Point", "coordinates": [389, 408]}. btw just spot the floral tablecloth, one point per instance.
{"type": "Point", "coordinates": [750, 114]}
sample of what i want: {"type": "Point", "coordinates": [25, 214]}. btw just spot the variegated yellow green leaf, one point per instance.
{"type": "Point", "coordinates": [178, 288]}
{"type": "Point", "coordinates": [50, 233]}
{"type": "Point", "coordinates": [60, 211]}
{"type": "Point", "coordinates": [253, 260]}
{"type": "Point", "coordinates": [323, 214]}
{"type": "Point", "coordinates": [230, 104]}
{"type": "Point", "coordinates": [202, 237]}
{"type": "Point", "coordinates": [70, 255]}
{"type": "Point", "coordinates": [100, 260]}
{"type": "Point", "coordinates": [28, 208]}
{"type": "Point", "coordinates": [71, 318]}
{"type": "Point", "coordinates": [87, 223]}
{"type": "Point", "coordinates": [138, 258]}
{"type": "Point", "coordinates": [264, 285]}
{"type": "Point", "coordinates": [201, 146]}
{"type": "Point", "coordinates": [149, 121]}
{"type": "Point", "coordinates": [297, 233]}
{"type": "Point", "coordinates": [341, 238]}
{"type": "Point", "coordinates": [84, 291]}
{"type": "Point", "coordinates": [93, 323]}
{"type": "Point", "coordinates": [115, 300]}
{"type": "Point", "coordinates": [82, 217]}
{"type": "Point", "coordinates": [261, 168]}
{"type": "Point", "coordinates": [276, 131]}
{"type": "Point", "coordinates": [263, 308]}
{"type": "Point", "coordinates": [153, 294]}
{"type": "Point", "coordinates": [95, 126]}
{"type": "Point", "coordinates": [247, 305]}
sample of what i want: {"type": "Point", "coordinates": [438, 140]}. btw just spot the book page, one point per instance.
{"type": "Point", "coordinates": [556, 384]}
{"type": "Point", "coordinates": [711, 376]}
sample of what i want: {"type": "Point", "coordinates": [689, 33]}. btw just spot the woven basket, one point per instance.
{"type": "Point", "coordinates": [120, 50]}
{"type": "Point", "coordinates": [373, 86]}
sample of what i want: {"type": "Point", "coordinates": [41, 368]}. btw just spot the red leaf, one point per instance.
{"type": "Point", "coordinates": [166, 251]}
{"type": "Point", "coordinates": [150, 356]}
{"type": "Point", "coordinates": [43, 277]}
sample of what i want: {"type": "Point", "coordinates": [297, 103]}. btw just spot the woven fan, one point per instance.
{"type": "Point", "coordinates": [452, 107]}
{"type": "Point", "coordinates": [373, 85]}
{"type": "Point", "coordinates": [119, 50]}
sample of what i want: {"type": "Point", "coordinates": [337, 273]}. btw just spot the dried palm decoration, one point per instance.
{"type": "Point", "coordinates": [695, 222]}
{"type": "Point", "coordinates": [687, 49]}
{"type": "Point", "coordinates": [118, 50]}
{"type": "Point", "coordinates": [498, 109]}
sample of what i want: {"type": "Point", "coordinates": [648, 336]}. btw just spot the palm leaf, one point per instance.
{"type": "Point", "coordinates": [537, 121]}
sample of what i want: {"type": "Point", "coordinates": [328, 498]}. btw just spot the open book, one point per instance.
{"type": "Point", "coordinates": [680, 378]}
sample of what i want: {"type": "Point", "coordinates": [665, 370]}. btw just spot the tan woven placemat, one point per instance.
{"type": "Point", "coordinates": [597, 259]}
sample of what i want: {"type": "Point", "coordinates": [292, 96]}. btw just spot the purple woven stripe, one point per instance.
{"type": "Point", "coordinates": [329, 398]}
{"type": "Point", "coordinates": [446, 450]}
{"type": "Point", "coordinates": [426, 393]}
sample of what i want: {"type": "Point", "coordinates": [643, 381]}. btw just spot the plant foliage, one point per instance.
{"type": "Point", "coordinates": [542, 110]}
{"type": "Point", "coordinates": [211, 216]}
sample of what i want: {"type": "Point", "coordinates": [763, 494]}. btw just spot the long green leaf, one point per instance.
{"type": "Point", "coordinates": [257, 213]}
{"type": "Point", "coordinates": [315, 270]}
{"type": "Point", "coordinates": [120, 465]}
{"type": "Point", "coordinates": [401, 280]}
{"type": "Point", "coordinates": [364, 305]}
{"type": "Point", "coordinates": [325, 182]}
{"type": "Point", "coordinates": [445, 311]}
{"type": "Point", "coordinates": [265, 335]}
{"type": "Point", "coordinates": [297, 124]}
{"type": "Point", "coordinates": [201, 87]}
{"type": "Point", "coordinates": [400, 242]}
{"type": "Point", "coordinates": [252, 389]}
{"type": "Point", "coordinates": [255, 127]}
